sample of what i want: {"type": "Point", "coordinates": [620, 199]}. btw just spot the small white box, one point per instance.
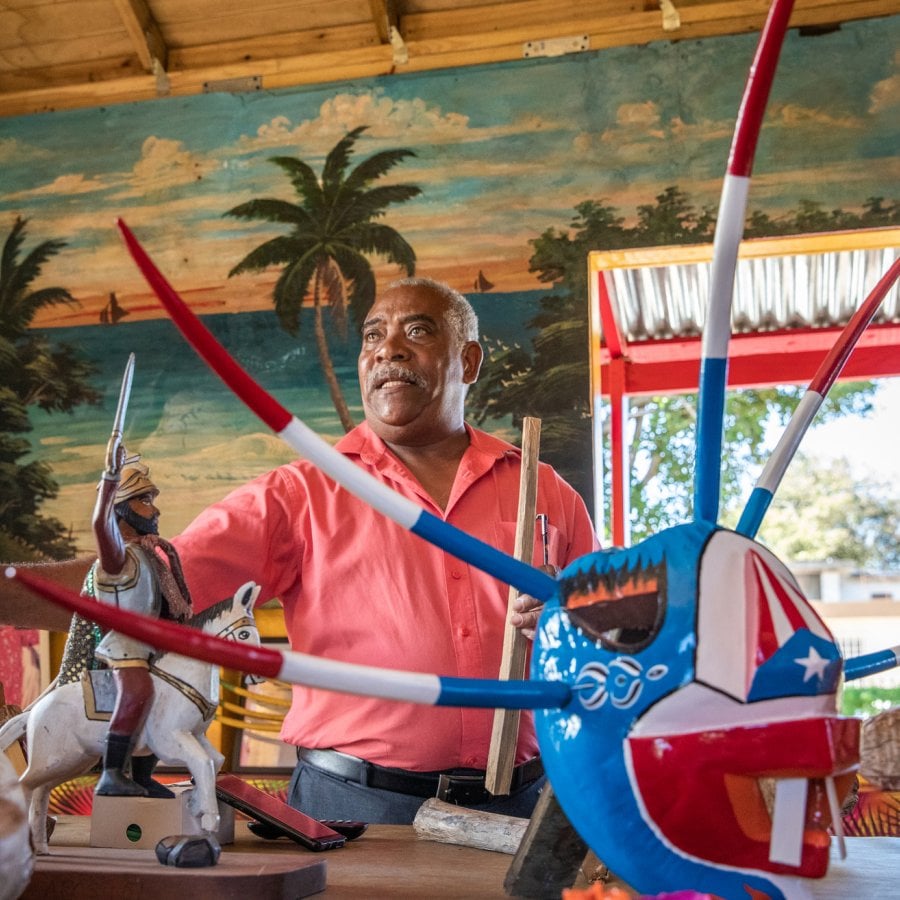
{"type": "Point", "coordinates": [140, 823]}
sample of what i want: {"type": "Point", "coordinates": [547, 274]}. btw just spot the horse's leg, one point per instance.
{"type": "Point", "coordinates": [216, 757]}
{"type": "Point", "coordinates": [187, 749]}
{"type": "Point", "coordinates": [62, 743]}
{"type": "Point", "coordinates": [39, 801]}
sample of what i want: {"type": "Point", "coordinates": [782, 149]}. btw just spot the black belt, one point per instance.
{"type": "Point", "coordinates": [460, 786]}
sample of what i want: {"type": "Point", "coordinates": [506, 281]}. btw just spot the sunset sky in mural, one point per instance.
{"type": "Point", "coordinates": [500, 158]}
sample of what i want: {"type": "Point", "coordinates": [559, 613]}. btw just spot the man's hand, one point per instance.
{"type": "Point", "coordinates": [528, 609]}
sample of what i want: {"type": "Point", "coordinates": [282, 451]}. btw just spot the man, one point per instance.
{"type": "Point", "coordinates": [357, 587]}
{"type": "Point", "coordinates": [130, 574]}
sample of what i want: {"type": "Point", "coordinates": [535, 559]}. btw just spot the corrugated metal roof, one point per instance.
{"type": "Point", "coordinates": [664, 293]}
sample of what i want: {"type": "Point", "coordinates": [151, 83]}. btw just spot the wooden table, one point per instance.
{"type": "Point", "coordinates": [388, 861]}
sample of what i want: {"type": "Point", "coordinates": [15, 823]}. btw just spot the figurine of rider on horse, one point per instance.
{"type": "Point", "coordinates": [139, 571]}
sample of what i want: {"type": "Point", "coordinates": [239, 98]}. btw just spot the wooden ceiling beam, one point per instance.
{"type": "Point", "coordinates": [312, 69]}
{"type": "Point", "coordinates": [271, 50]}
{"type": "Point", "coordinates": [146, 38]}
{"type": "Point", "coordinates": [436, 40]}
{"type": "Point", "coordinates": [500, 24]}
{"type": "Point", "coordinates": [385, 17]}
{"type": "Point", "coordinates": [63, 75]}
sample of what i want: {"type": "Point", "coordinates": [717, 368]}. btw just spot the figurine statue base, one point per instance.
{"type": "Point", "coordinates": [140, 823]}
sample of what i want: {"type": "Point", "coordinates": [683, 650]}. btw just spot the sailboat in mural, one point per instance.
{"type": "Point", "coordinates": [481, 283]}
{"type": "Point", "coordinates": [112, 312]}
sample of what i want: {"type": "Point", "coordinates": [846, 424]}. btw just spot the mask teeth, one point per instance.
{"type": "Point", "coordinates": [836, 819]}
{"type": "Point", "coordinates": [788, 820]}
{"type": "Point", "coordinates": [639, 574]}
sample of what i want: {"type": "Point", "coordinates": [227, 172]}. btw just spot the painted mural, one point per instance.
{"type": "Point", "coordinates": [499, 156]}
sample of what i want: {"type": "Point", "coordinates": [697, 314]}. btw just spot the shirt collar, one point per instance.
{"type": "Point", "coordinates": [364, 443]}
{"type": "Point", "coordinates": [483, 452]}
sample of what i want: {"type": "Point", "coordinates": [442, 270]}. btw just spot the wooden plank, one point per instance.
{"type": "Point", "coordinates": [550, 854]}
{"type": "Point", "coordinates": [93, 75]}
{"type": "Point", "coordinates": [274, 48]}
{"type": "Point", "coordinates": [144, 33]}
{"type": "Point", "coordinates": [505, 731]}
{"type": "Point", "coordinates": [514, 16]}
{"type": "Point", "coordinates": [389, 861]}
{"type": "Point", "coordinates": [201, 22]}
{"type": "Point", "coordinates": [37, 30]}
{"type": "Point", "coordinates": [277, 73]}
{"type": "Point", "coordinates": [80, 873]}
{"type": "Point", "coordinates": [426, 40]}
{"type": "Point", "coordinates": [384, 18]}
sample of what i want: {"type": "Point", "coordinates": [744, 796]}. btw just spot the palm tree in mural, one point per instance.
{"type": "Point", "coordinates": [333, 232]}
{"type": "Point", "coordinates": [33, 372]}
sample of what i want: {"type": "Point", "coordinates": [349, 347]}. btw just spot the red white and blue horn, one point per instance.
{"type": "Point", "coordinates": [301, 668]}
{"type": "Point", "coordinates": [729, 230]}
{"type": "Point", "coordinates": [825, 376]}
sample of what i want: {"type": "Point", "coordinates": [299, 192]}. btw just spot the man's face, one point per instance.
{"type": "Point", "coordinates": [413, 373]}
{"type": "Point", "coordinates": [141, 514]}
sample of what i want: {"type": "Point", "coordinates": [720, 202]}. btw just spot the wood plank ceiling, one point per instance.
{"type": "Point", "coordinates": [59, 54]}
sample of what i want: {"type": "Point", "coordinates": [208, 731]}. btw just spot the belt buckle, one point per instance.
{"type": "Point", "coordinates": [443, 788]}
{"type": "Point", "coordinates": [458, 789]}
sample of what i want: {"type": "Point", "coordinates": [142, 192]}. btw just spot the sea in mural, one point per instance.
{"type": "Point", "coordinates": [198, 438]}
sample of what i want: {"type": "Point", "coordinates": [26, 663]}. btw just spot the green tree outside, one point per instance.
{"type": "Point", "coordinates": [550, 381]}
{"type": "Point", "coordinates": [821, 514]}
{"type": "Point", "coordinates": [333, 231]}
{"type": "Point", "coordinates": [33, 372]}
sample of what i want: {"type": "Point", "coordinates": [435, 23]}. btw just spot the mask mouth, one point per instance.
{"type": "Point", "coordinates": [758, 796]}
{"type": "Point", "coordinates": [800, 812]}
{"type": "Point", "coordinates": [387, 374]}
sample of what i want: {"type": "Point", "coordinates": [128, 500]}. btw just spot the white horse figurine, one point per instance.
{"type": "Point", "coordinates": [63, 743]}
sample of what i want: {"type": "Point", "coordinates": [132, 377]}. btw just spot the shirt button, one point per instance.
{"type": "Point", "coordinates": [455, 574]}
{"type": "Point", "coordinates": [465, 631]}
{"type": "Point", "coordinates": [471, 762]}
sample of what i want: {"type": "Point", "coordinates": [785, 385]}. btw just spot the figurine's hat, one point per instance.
{"type": "Point", "coordinates": [135, 482]}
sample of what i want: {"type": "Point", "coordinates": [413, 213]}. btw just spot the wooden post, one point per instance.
{"type": "Point", "coordinates": [505, 733]}
{"type": "Point", "coordinates": [550, 854]}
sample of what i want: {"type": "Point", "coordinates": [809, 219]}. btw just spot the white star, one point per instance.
{"type": "Point", "coordinates": [813, 665]}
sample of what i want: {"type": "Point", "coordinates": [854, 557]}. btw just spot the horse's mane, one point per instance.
{"type": "Point", "coordinates": [202, 618]}
{"type": "Point", "coordinates": [210, 613]}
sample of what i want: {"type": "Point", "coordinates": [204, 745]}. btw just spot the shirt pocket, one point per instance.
{"type": "Point", "coordinates": [506, 541]}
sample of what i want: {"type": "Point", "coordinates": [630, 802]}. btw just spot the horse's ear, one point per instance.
{"type": "Point", "coordinates": [248, 593]}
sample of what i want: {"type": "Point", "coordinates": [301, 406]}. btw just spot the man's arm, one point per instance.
{"type": "Point", "coordinates": [22, 608]}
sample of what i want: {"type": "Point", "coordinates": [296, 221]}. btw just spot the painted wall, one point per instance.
{"type": "Point", "coordinates": [503, 153]}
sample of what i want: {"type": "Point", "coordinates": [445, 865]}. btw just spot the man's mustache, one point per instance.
{"type": "Point", "coordinates": [393, 372]}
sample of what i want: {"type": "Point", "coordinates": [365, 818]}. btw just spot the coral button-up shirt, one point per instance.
{"type": "Point", "coordinates": [357, 587]}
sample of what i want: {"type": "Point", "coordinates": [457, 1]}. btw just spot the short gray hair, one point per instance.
{"type": "Point", "coordinates": [460, 313]}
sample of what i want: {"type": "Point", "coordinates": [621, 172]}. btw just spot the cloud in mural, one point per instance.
{"type": "Point", "coordinates": [793, 115]}
{"type": "Point", "coordinates": [164, 164]}
{"type": "Point", "coordinates": [14, 150]}
{"type": "Point", "coordinates": [413, 121]}
{"type": "Point", "coordinates": [384, 117]}
{"type": "Point", "coordinates": [885, 94]}
{"type": "Point", "coordinates": [640, 130]}
{"type": "Point", "coordinates": [63, 186]}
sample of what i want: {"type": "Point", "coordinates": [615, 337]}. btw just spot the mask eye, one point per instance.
{"type": "Point", "coordinates": [622, 609]}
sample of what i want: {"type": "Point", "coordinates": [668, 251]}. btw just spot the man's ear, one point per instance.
{"type": "Point", "coordinates": [472, 358]}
